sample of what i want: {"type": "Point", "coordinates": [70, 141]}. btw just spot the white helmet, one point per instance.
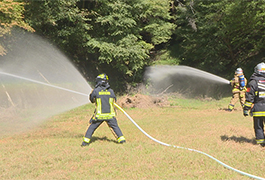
{"type": "Point", "coordinates": [239, 71]}
{"type": "Point", "coordinates": [260, 68]}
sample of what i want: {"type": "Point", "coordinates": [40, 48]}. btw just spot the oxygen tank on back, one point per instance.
{"type": "Point", "coordinates": [242, 80]}
{"type": "Point", "coordinates": [241, 76]}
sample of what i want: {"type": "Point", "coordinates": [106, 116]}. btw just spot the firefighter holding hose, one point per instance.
{"type": "Point", "coordinates": [238, 83]}
{"type": "Point", "coordinates": [255, 101]}
{"type": "Point", "coordinates": [103, 96]}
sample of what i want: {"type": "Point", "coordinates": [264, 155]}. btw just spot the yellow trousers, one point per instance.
{"type": "Point", "coordinates": [237, 96]}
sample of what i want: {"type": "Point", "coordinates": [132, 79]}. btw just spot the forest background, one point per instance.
{"type": "Point", "coordinates": [123, 37]}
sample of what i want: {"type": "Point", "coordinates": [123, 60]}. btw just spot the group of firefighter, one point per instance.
{"type": "Point", "coordinates": [252, 98]}
{"type": "Point", "coordinates": [250, 94]}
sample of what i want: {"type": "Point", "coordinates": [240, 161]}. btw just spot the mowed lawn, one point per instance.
{"type": "Point", "coordinates": [52, 150]}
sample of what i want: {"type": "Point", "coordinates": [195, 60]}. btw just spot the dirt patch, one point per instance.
{"type": "Point", "coordinates": [142, 101]}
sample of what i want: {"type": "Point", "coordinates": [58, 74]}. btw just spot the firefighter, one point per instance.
{"type": "Point", "coordinates": [255, 101]}
{"type": "Point", "coordinates": [239, 88]}
{"type": "Point", "coordinates": [103, 96]}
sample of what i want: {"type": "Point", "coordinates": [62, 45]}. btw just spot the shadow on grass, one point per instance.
{"type": "Point", "coordinates": [240, 139]}
{"type": "Point", "coordinates": [93, 139]}
{"type": "Point", "coordinates": [80, 136]}
{"type": "Point", "coordinates": [227, 110]}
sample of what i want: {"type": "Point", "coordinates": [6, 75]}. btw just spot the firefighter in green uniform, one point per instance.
{"type": "Point", "coordinates": [103, 96]}
{"type": "Point", "coordinates": [255, 101]}
{"type": "Point", "coordinates": [238, 83]}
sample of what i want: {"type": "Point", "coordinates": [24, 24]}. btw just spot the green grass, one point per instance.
{"type": "Point", "coordinates": [176, 100]}
{"type": "Point", "coordinates": [52, 150]}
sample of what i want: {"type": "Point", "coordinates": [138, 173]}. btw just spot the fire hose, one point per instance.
{"type": "Point", "coordinates": [169, 145]}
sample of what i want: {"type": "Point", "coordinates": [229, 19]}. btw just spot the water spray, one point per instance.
{"type": "Point", "coordinates": [160, 142]}
{"type": "Point", "coordinates": [32, 55]}
{"type": "Point", "coordinates": [186, 80]}
{"type": "Point", "coordinates": [39, 82]}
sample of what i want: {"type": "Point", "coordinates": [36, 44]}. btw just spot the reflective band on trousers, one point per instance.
{"type": "Point", "coordinates": [87, 140]}
{"type": "Point", "coordinates": [260, 113]}
{"type": "Point", "coordinates": [230, 106]}
{"type": "Point", "coordinates": [235, 90]}
{"type": "Point", "coordinates": [260, 141]}
{"type": "Point", "coordinates": [248, 104]}
{"type": "Point", "coordinates": [121, 138]}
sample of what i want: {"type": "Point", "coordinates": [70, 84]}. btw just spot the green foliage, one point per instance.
{"type": "Point", "coordinates": [155, 19]}
{"type": "Point", "coordinates": [124, 32]}
{"type": "Point", "coordinates": [126, 55]}
{"type": "Point", "coordinates": [11, 15]}
{"type": "Point", "coordinates": [163, 57]}
{"type": "Point", "coordinates": [122, 37]}
{"type": "Point", "coordinates": [61, 21]}
{"type": "Point", "coordinates": [221, 34]}
{"type": "Point", "coordinates": [112, 36]}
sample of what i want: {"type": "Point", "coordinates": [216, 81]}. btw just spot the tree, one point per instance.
{"type": "Point", "coordinates": [64, 24]}
{"type": "Point", "coordinates": [11, 15]}
{"type": "Point", "coordinates": [221, 35]}
{"type": "Point", "coordinates": [124, 32]}
{"type": "Point", "coordinates": [111, 36]}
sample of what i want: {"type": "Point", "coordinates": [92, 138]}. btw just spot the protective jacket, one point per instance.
{"type": "Point", "coordinates": [238, 83]}
{"type": "Point", "coordinates": [239, 86]}
{"type": "Point", "coordinates": [104, 98]}
{"type": "Point", "coordinates": [255, 95]}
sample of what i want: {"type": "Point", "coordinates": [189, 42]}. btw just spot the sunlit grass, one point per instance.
{"type": "Point", "coordinates": [52, 151]}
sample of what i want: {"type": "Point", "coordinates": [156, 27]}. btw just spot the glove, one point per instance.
{"type": "Point", "coordinates": [245, 112]}
{"type": "Point", "coordinates": [241, 88]}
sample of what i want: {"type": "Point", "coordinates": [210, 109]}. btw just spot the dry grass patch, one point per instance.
{"type": "Point", "coordinates": [52, 151]}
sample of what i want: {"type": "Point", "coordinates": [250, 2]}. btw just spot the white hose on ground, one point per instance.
{"type": "Point", "coordinates": [165, 144]}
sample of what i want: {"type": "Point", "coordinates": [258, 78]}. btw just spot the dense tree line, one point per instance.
{"type": "Point", "coordinates": [122, 37]}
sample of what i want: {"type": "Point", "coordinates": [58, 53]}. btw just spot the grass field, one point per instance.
{"type": "Point", "coordinates": [52, 150]}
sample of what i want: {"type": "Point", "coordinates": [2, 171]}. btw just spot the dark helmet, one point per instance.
{"type": "Point", "coordinates": [102, 78]}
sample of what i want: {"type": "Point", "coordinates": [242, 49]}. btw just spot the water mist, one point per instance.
{"type": "Point", "coordinates": [187, 81]}
{"type": "Point", "coordinates": [37, 81]}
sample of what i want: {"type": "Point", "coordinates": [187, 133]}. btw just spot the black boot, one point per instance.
{"type": "Point", "coordinates": [84, 144]}
{"type": "Point", "coordinates": [123, 141]}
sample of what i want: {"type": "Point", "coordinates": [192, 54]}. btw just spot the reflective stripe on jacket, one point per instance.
{"type": "Point", "coordinates": [235, 83]}
{"type": "Point", "coordinates": [104, 98]}
{"type": "Point", "coordinates": [255, 95]}
{"type": "Point", "coordinates": [105, 111]}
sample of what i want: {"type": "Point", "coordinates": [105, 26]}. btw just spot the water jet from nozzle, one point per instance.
{"type": "Point", "coordinates": [186, 80]}
{"type": "Point", "coordinates": [37, 81]}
